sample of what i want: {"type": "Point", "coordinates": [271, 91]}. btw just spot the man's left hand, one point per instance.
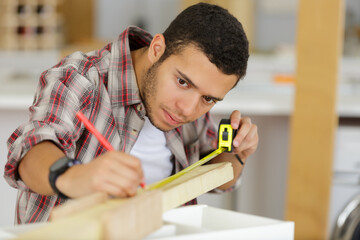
{"type": "Point", "coordinates": [246, 140]}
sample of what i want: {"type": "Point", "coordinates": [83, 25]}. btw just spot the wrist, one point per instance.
{"type": "Point", "coordinates": [239, 159]}
{"type": "Point", "coordinates": [57, 170]}
{"type": "Point", "coordinates": [68, 184]}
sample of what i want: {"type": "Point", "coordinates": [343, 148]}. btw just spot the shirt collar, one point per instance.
{"type": "Point", "coordinates": [122, 85]}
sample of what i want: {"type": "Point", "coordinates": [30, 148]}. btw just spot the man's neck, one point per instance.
{"type": "Point", "coordinates": [140, 64]}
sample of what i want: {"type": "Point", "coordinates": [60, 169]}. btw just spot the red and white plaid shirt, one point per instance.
{"type": "Point", "coordinates": [102, 85]}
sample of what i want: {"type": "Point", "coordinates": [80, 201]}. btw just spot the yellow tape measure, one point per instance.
{"type": "Point", "coordinates": [225, 138]}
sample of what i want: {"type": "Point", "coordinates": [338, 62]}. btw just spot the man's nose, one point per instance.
{"type": "Point", "coordinates": [188, 105]}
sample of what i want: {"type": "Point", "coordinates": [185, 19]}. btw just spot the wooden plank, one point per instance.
{"type": "Point", "coordinates": [314, 120]}
{"type": "Point", "coordinates": [195, 183]}
{"type": "Point", "coordinates": [144, 210]}
{"type": "Point", "coordinates": [178, 192]}
{"type": "Point", "coordinates": [75, 206]}
{"type": "Point", "coordinates": [134, 219]}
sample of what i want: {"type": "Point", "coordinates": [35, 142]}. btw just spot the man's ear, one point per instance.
{"type": "Point", "coordinates": [156, 48]}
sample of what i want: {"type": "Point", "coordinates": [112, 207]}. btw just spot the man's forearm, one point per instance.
{"type": "Point", "coordinates": [34, 166]}
{"type": "Point", "coordinates": [228, 157]}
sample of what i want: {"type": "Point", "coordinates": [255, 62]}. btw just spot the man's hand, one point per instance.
{"type": "Point", "coordinates": [246, 140]}
{"type": "Point", "coordinates": [244, 144]}
{"type": "Point", "coordinates": [115, 173]}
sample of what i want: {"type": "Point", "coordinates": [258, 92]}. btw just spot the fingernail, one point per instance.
{"type": "Point", "coordinates": [235, 143]}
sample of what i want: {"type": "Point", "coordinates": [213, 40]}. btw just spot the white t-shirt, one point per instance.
{"type": "Point", "coordinates": [151, 149]}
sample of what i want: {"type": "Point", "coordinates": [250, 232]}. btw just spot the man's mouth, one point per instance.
{"type": "Point", "coordinates": [173, 120]}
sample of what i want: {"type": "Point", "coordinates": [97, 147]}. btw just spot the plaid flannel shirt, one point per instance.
{"type": "Point", "coordinates": [102, 85]}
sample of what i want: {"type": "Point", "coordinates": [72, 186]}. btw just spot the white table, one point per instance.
{"type": "Point", "coordinates": [202, 222]}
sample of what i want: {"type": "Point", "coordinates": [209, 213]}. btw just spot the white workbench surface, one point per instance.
{"type": "Point", "coordinates": [202, 222]}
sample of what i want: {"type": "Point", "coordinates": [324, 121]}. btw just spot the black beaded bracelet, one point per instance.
{"type": "Point", "coordinates": [238, 158]}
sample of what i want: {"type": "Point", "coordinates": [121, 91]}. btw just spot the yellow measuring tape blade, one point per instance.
{"type": "Point", "coordinates": [189, 168]}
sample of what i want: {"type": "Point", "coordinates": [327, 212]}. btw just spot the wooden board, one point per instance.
{"type": "Point", "coordinates": [314, 120]}
{"type": "Point", "coordinates": [142, 212]}
{"type": "Point", "coordinates": [75, 206]}
{"type": "Point", "coordinates": [195, 183]}
{"type": "Point", "coordinates": [96, 217]}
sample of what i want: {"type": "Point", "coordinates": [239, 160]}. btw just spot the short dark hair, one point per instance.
{"type": "Point", "coordinates": [215, 32]}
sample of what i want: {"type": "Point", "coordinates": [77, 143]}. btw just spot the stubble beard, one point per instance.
{"type": "Point", "coordinates": [149, 91]}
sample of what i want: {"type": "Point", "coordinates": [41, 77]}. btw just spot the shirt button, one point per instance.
{"type": "Point", "coordinates": [134, 131]}
{"type": "Point", "coordinates": [139, 107]}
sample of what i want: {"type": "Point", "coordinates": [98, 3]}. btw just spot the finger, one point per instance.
{"type": "Point", "coordinates": [124, 184]}
{"type": "Point", "coordinates": [115, 170]}
{"type": "Point", "coordinates": [235, 118]}
{"type": "Point", "coordinates": [134, 164]}
{"type": "Point", "coordinates": [127, 177]}
{"type": "Point", "coordinates": [250, 143]}
{"type": "Point", "coordinates": [111, 189]}
{"type": "Point", "coordinates": [243, 131]}
{"type": "Point", "coordinates": [250, 140]}
{"type": "Point", "coordinates": [123, 159]}
{"type": "Point", "coordinates": [114, 163]}
{"type": "Point", "coordinates": [116, 191]}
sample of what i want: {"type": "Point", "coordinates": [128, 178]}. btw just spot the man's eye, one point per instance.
{"type": "Point", "coordinates": [209, 100]}
{"type": "Point", "coordinates": [182, 82]}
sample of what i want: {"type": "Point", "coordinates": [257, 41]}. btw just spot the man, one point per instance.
{"type": "Point", "coordinates": [149, 96]}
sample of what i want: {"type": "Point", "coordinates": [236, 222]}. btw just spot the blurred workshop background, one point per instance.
{"type": "Point", "coordinates": [36, 34]}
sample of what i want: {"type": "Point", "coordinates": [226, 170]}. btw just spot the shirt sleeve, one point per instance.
{"type": "Point", "coordinates": [62, 91]}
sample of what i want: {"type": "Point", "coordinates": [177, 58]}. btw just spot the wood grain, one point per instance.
{"type": "Point", "coordinates": [313, 123]}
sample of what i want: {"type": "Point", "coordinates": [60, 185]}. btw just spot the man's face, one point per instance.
{"type": "Point", "coordinates": [182, 88]}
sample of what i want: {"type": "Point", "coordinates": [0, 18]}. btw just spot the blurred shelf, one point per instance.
{"type": "Point", "coordinates": [257, 94]}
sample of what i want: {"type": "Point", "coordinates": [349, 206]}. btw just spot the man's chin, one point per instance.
{"type": "Point", "coordinates": [164, 127]}
{"type": "Point", "coordinates": [161, 127]}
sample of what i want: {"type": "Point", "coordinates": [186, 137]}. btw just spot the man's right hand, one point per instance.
{"type": "Point", "coordinates": [115, 173]}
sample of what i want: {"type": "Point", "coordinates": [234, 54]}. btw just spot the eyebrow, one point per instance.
{"type": "Point", "coordinates": [183, 75]}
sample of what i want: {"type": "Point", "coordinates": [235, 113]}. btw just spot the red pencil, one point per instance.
{"type": "Point", "coordinates": [97, 134]}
